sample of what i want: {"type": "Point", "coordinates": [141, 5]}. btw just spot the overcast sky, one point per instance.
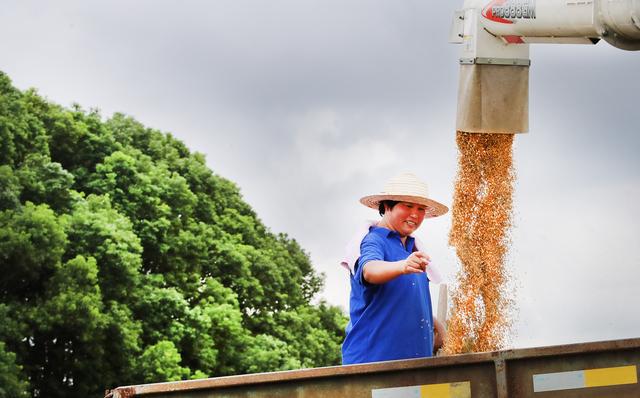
{"type": "Point", "coordinates": [309, 105]}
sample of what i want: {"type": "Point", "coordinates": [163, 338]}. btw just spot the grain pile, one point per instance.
{"type": "Point", "coordinates": [482, 212]}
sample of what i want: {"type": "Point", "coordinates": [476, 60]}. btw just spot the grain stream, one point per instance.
{"type": "Point", "coordinates": [480, 234]}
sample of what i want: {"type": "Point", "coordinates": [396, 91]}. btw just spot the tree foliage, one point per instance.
{"type": "Point", "coordinates": [126, 260]}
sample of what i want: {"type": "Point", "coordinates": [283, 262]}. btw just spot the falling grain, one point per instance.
{"type": "Point", "coordinates": [482, 213]}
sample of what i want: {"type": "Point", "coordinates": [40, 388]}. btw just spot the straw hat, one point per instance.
{"type": "Point", "coordinates": [406, 187]}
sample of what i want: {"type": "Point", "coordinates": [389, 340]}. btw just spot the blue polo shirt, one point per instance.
{"type": "Point", "coordinates": [392, 320]}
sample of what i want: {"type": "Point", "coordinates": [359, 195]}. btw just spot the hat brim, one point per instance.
{"type": "Point", "coordinates": [434, 209]}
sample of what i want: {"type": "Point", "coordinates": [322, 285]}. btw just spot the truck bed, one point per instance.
{"type": "Point", "coordinates": [596, 369]}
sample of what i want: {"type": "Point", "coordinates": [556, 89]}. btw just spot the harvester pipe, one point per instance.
{"type": "Point", "coordinates": [552, 21]}
{"type": "Point", "coordinates": [495, 37]}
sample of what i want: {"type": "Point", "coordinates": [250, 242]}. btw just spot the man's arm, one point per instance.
{"type": "Point", "coordinates": [439, 335]}
{"type": "Point", "coordinates": [378, 271]}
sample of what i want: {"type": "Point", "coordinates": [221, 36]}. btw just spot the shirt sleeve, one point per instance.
{"type": "Point", "coordinates": [371, 249]}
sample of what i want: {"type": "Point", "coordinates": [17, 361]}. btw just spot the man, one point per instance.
{"type": "Point", "coordinates": [390, 305]}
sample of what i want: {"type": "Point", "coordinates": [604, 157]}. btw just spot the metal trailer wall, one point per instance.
{"type": "Point", "coordinates": [598, 369]}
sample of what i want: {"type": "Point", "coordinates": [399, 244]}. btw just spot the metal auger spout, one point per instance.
{"type": "Point", "coordinates": [495, 37]}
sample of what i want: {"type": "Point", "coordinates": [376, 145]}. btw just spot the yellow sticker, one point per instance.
{"type": "Point", "coordinates": [610, 376]}
{"type": "Point", "coordinates": [446, 390]}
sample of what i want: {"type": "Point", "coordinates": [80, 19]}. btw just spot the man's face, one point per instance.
{"type": "Point", "coordinates": [405, 217]}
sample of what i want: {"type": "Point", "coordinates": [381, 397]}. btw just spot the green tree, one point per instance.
{"type": "Point", "coordinates": [221, 315]}
{"type": "Point", "coordinates": [46, 182]}
{"type": "Point", "coordinates": [12, 384]}
{"type": "Point", "coordinates": [161, 362]}
{"type": "Point", "coordinates": [95, 229]}
{"type": "Point", "coordinates": [125, 259]}
{"type": "Point", "coordinates": [267, 354]}
{"type": "Point", "coordinates": [9, 188]}
{"type": "Point", "coordinates": [21, 128]}
{"type": "Point", "coordinates": [67, 322]}
{"type": "Point", "coordinates": [32, 243]}
{"type": "Point", "coordinates": [78, 140]}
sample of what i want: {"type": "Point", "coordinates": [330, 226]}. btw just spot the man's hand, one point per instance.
{"type": "Point", "coordinates": [439, 335]}
{"type": "Point", "coordinates": [416, 263]}
{"type": "Point", "coordinates": [378, 272]}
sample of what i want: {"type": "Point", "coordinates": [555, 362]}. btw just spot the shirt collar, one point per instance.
{"type": "Point", "coordinates": [389, 233]}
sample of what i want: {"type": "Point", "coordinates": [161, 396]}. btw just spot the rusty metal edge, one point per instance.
{"type": "Point", "coordinates": [377, 367]}
{"type": "Point", "coordinates": [567, 349]}
{"type": "Point", "coordinates": [502, 383]}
